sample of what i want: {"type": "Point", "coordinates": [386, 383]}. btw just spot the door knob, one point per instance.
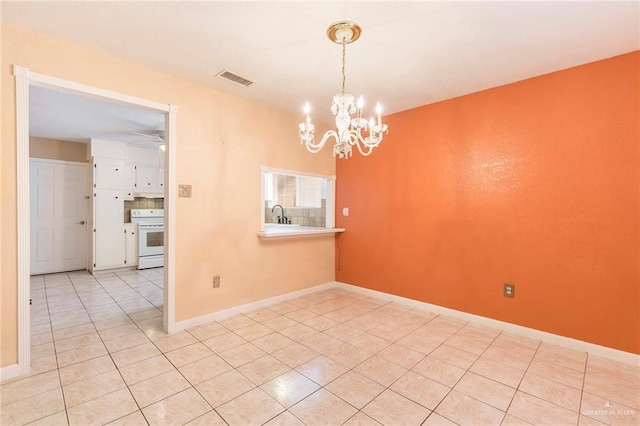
{"type": "Point", "coordinates": [82, 222]}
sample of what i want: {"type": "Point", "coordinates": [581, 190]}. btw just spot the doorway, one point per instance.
{"type": "Point", "coordinates": [26, 79]}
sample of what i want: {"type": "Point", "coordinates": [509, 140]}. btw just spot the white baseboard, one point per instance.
{"type": "Point", "coordinates": [567, 342]}
{"type": "Point", "coordinates": [9, 372]}
{"type": "Point", "coordinates": [226, 313]}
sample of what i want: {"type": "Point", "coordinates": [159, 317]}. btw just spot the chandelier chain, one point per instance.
{"type": "Point", "coordinates": [344, 50]}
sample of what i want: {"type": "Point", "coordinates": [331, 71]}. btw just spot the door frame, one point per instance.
{"type": "Point", "coordinates": [87, 190]}
{"type": "Point", "coordinates": [24, 79]}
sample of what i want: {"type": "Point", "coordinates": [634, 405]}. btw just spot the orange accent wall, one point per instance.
{"type": "Point", "coordinates": [534, 183]}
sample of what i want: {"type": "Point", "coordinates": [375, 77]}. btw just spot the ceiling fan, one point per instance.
{"type": "Point", "coordinates": [156, 136]}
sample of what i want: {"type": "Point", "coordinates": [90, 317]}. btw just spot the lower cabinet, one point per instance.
{"type": "Point", "coordinates": [130, 244]}
{"type": "Point", "coordinates": [109, 236]}
{"type": "Point", "coordinates": [115, 244]}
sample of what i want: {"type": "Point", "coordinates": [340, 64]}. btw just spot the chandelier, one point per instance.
{"type": "Point", "coordinates": [350, 130]}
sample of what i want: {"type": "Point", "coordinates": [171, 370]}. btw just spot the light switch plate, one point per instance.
{"type": "Point", "coordinates": [184, 191]}
{"type": "Point", "coordinates": [345, 211]}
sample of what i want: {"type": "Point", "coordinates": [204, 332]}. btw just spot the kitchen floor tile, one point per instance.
{"type": "Point", "coordinates": [242, 354]}
{"type": "Point", "coordinates": [322, 408]}
{"type": "Point", "coordinates": [355, 388]}
{"type": "Point", "coordinates": [177, 409]}
{"type": "Point", "coordinates": [145, 369]}
{"type": "Point", "coordinates": [290, 388]}
{"type": "Point", "coordinates": [322, 370]}
{"type": "Point", "coordinates": [465, 410]}
{"type": "Point", "coordinates": [158, 387]}
{"type": "Point", "coordinates": [380, 370]}
{"type": "Point", "coordinates": [79, 392]}
{"type": "Point", "coordinates": [188, 354]}
{"type": "Point", "coordinates": [224, 387]}
{"type": "Point", "coordinates": [104, 409]}
{"type": "Point", "coordinates": [390, 408]}
{"type": "Point", "coordinates": [204, 369]}
{"type": "Point", "coordinates": [554, 392]}
{"type": "Point", "coordinates": [537, 411]}
{"type": "Point", "coordinates": [253, 408]}
{"type": "Point", "coordinates": [420, 389]}
{"type": "Point", "coordinates": [486, 390]}
{"type": "Point", "coordinates": [263, 369]}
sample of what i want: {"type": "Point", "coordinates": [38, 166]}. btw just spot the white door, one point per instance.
{"type": "Point", "coordinates": [58, 216]}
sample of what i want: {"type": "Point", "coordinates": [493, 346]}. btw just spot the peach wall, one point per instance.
{"type": "Point", "coordinates": [222, 141]}
{"type": "Point", "coordinates": [534, 183]}
{"type": "Point", "coordinates": [54, 149]}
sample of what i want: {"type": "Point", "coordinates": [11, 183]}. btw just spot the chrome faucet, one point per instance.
{"type": "Point", "coordinates": [283, 219]}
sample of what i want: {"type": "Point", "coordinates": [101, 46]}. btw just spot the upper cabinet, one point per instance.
{"type": "Point", "coordinates": [129, 181]}
{"type": "Point", "coordinates": [108, 174]}
{"type": "Point", "coordinates": [137, 172]}
{"type": "Point", "coordinates": [99, 148]}
{"type": "Point", "coordinates": [146, 177]}
{"type": "Point", "coordinates": [148, 173]}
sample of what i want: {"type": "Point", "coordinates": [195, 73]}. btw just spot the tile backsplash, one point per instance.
{"type": "Point", "coordinates": [305, 216]}
{"type": "Point", "coordinates": [141, 203]}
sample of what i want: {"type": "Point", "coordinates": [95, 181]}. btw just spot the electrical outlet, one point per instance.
{"type": "Point", "coordinates": [216, 281]}
{"type": "Point", "coordinates": [509, 290]}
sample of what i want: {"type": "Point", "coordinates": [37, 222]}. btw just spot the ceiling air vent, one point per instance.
{"type": "Point", "coordinates": [229, 76]}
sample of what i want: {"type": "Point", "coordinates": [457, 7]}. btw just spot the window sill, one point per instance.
{"type": "Point", "coordinates": [272, 232]}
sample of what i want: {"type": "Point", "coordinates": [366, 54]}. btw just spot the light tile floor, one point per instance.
{"type": "Point", "coordinates": [328, 358]}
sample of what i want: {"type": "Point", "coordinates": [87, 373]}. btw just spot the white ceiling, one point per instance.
{"type": "Point", "coordinates": [64, 116]}
{"type": "Point", "coordinates": [410, 53]}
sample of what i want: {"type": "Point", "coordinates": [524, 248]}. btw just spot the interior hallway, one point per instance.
{"type": "Point", "coordinates": [329, 358]}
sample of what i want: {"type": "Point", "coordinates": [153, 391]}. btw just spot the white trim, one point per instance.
{"type": "Point", "coordinates": [278, 171]}
{"type": "Point", "coordinates": [63, 162]}
{"type": "Point", "coordinates": [278, 232]}
{"type": "Point", "coordinates": [170, 189]}
{"type": "Point", "coordinates": [225, 313]}
{"type": "Point", "coordinates": [24, 78]}
{"type": "Point", "coordinates": [9, 372]}
{"type": "Point", "coordinates": [85, 90]}
{"type": "Point", "coordinates": [23, 218]}
{"type": "Point", "coordinates": [330, 207]}
{"type": "Point", "coordinates": [262, 199]}
{"type": "Point", "coordinates": [567, 342]}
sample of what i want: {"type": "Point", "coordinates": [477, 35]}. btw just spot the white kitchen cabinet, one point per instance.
{"type": "Point", "coordinates": [160, 179]}
{"type": "Point", "coordinates": [129, 182]}
{"type": "Point", "coordinates": [130, 244]}
{"type": "Point", "coordinates": [146, 178]}
{"type": "Point", "coordinates": [100, 148]}
{"type": "Point", "coordinates": [108, 174]}
{"type": "Point", "coordinates": [108, 227]}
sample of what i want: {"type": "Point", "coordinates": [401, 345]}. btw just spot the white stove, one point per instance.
{"type": "Point", "coordinates": [150, 237]}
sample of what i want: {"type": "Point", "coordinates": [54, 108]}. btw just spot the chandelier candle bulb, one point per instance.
{"type": "Point", "coordinates": [379, 111]}
{"type": "Point", "coordinates": [360, 104]}
{"type": "Point", "coordinates": [371, 122]}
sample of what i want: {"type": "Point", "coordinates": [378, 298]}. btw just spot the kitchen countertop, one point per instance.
{"type": "Point", "coordinates": [275, 231]}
